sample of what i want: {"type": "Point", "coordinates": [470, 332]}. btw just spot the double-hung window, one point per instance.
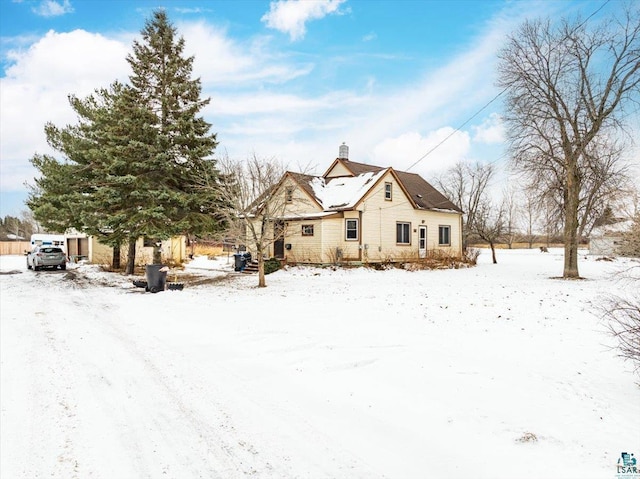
{"type": "Point", "coordinates": [351, 229]}
{"type": "Point", "coordinates": [388, 191]}
{"type": "Point", "coordinates": [444, 235]}
{"type": "Point", "coordinates": [403, 233]}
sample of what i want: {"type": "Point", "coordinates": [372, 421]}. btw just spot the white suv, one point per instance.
{"type": "Point", "coordinates": [46, 257]}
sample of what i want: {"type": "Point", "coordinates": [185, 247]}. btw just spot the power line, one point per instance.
{"type": "Point", "coordinates": [457, 129]}
{"type": "Point", "coordinates": [489, 103]}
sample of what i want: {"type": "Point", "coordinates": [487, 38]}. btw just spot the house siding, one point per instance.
{"type": "Point", "coordinates": [337, 247]}
{"type": "Point", "coordinates": [338, 170]}
{"type": "Point", "coordinates": [304, 249]}
{"type": "Point", "coordinates": [101, 253]}
{"type": "Point", "coordinates": [380, 217]}
{"type": "Point", "coordinates": [173, 250]}
{"type": "Point", "coordinates": [301, 203]}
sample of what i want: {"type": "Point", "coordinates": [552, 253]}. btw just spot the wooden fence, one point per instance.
{"type": "Point", "coordinates": [14, 247]}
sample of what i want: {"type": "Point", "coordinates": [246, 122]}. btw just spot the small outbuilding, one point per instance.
{"type": "Point", "coordinates": [606, 239]}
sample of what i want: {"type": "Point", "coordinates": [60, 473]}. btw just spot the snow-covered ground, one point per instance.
{"type": "Point", "coordinates": [497, 371]}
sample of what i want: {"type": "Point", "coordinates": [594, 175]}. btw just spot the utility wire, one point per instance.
{"type": "Point", "coordinates": [485, 106]}
{"type": "Point", "coordinates": [457, 129]}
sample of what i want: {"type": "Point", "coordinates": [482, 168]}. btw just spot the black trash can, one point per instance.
{"type": "Point", "coordinates": [156, 277]}
{"type": "Point", "coordinates": [241, 260]}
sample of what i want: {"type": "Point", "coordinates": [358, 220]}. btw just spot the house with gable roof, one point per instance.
{"type": "Point", "coordinates": [356, 212]}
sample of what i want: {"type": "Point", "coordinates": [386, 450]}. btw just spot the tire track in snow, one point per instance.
{"type": "Point", "coordinates": [210, 445]}
{"type": "Point", "coordinates": [117, 381]}
{"type": "Point", "coordinates": [205, 405]}
{"type": "Point", "coordinates": [74, 324]}
{"type": "Point", "coordinates": [47, 393]}
{"type": "Point", "coordinates": [63, 381]}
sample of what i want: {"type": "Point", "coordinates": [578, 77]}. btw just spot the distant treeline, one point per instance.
{"type": "Point", "coordinates": [16, 229]}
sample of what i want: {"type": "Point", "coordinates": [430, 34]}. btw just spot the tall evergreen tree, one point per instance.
{"type": "Point", "coordinates": [86, 191]}
{"type": "Point", "coordinates": [176, 174]}
{"type": "Point", "coordinates": [138, 161]}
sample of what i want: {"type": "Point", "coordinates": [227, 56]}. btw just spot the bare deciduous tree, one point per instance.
{"type": "Point", "coordinates": [630, 244]}
{"type": "Point", "coordinates": [622, 314]}
{"type": "Point", "coordinates": [567, 87]}
{"type": "Point", "coordinates": [256, 213]}
{"type": "Point", "coordinates": [466, 185]}
{"type": "Point", "coordinates": [511, 213]}
{"type": "Point", "coordinates": [489, 224]}
{"type": "Point", "coordinates": [529, 218]}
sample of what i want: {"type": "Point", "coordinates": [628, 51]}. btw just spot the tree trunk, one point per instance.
{"type": "Point", "coordinates": [131, 257]}
{"type": "Point", "coordinates": [493, 252]}
{"type": "Point", "coordinates": [571, 223]}
{"type": "Point", "coordinates": [115, 261]}
{"type": "Point", "coordinates": [570, 254]}
{"type": "Point", "coordinates": [262, 283]}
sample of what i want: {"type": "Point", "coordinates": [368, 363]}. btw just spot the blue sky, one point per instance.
{"type": "Point", "coordinates": [288, 79]}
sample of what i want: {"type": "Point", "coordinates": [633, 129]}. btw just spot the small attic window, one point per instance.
{"type": "Point", "coordinates": [288, 194]}
{"type": "Point", "coordinates": [388, 191]}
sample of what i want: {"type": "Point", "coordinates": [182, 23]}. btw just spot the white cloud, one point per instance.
{"type": "Point", "coordinates": [369, 37]}
{"type": "Point", "coordinates": [291, 16]}
{"type": "Point", "coordinates": [51, 8]}
{"type": "Point", "coordinates": [444, 146]}
{"type": "Point", "coordinates": [380, 126]}
{"type": "Point", "coordinates": [260, 102]}
{"type": "Point", "coordinates": [221, 61]}
{"type": "Point", "coordinates": [77, 58]}
{"type": "Point", "coordinates": [191, 10]}
{"type": "Point", "coordinates": [490, 131]}
{"type": "Point", "coordinates": [35, 89]}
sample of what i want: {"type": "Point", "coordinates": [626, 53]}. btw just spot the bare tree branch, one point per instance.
{"type": "Point", "coordinates": [567, 89]}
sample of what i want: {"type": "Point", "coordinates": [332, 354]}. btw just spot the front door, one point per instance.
{"type": "Point", "coordinates": [278, 239]}
{"type": "Point", "coordinates": [422, 241]}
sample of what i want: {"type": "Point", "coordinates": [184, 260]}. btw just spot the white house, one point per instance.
{"type": "Point", "coordinates": [356, 212]}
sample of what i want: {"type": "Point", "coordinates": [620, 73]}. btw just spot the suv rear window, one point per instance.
{"type": "Point", "coordinates": [51, 250]}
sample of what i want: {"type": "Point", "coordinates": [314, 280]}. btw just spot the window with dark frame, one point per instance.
{"type": "Point", "coordinates": [388, 191]}
{"type": "Point", "coordinates": [148, 242]}
{"type": "Point", "coordinates": [444, 235]}
{"type": "Point", "coordinates": [403, 233]}
{"type": "Point", "coordinates": [351, 228]}
{"type": "Point", "coordinates": [307, 230]}
{"type": "Point", "coordinates": [288, 194]}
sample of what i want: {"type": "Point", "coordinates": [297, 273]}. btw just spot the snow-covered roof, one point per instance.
{"type": "Point", "coordinates": [344, 192]}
